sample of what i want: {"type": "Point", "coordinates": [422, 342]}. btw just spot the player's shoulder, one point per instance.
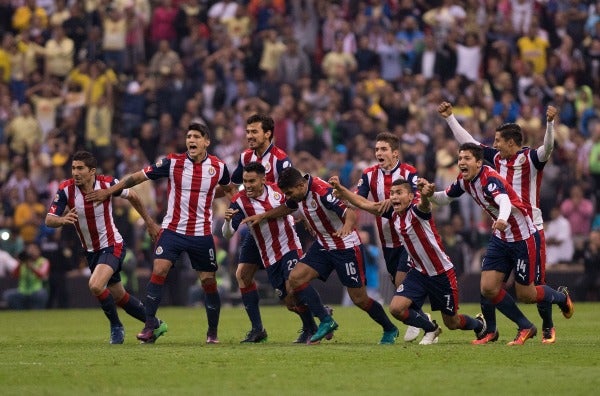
{"type": "Point", "coordinates": [66, 183]}
{"type": "Point", "coordinates": [176, 156]}
{"type": "Point", "coordinates": [408, 167]}
{"type": "Point", "coordinates": [239, 195]}
{"type": "Point", "coordinates": [319, 185]}
{"type": "Point", "coordinates": [371, 169]}
{"type": "Point", "coordinates": [278, 153]}
{"type": "Point", "coordinates": [215, 160]}
{"type": "Point", "coordinates": [105, 178]}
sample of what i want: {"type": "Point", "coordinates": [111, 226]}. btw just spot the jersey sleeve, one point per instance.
{"type": "Point", "coordinates": [333, 203]}
{"type": "Point", "coordinates": [363, 188]}
{"type": "Point", "coordinates": [282, 164]}
{"type": "Point", "coordinates": [158, 170]}
{"type": "Point", "coordinates": [420, 214]}
{"type": "Point", "coordinates": [225, 179]}
{"type": "Point", "coordinates": [238, 217]}
{"type": "Point", "coordinates": [489, 153]}
{"type": "Point", "coordinates": [455, 190]}
{"type": "Point", "coordinates": [535, 160]}
{"type": "Point", "coordinates": [236, 176]}
{"type": "Point", "coordinates": [494, 187]}
{"type": "Point", "coordinates": [58, 204]}
{"type": "Point", "coordinates": [388, 213]}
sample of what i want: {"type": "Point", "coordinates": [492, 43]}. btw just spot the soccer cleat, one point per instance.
{"type": "Point", "coordinates": [255, 336]}
{"type": "Point", "coordinates": [431, 337]}
{"type": "Point", "coordinates": [305, 335]}
{"type": "Point", "coordinates": [567, 308]}
{"type": "Point", "coordinates": [150, 334]}
{"type": "Point", "coordinates": [548, 336]}
{"type": "Point", "coordinates": [411, 333]}
{"type": "Point", "coordinates": [523, 335]}
{"type": "Point", "coordinates": [487, 337]}
{"type": "Point", "coordinates": [480, 334]}
{"type": "Point", "coordinates": [389, 337]}
{"type": "Point", "coordinates": [117, 335]}
{"type": "Point", "coordinates": [211, 337]}
{"type": "Point", "coordinates": [326, 329]}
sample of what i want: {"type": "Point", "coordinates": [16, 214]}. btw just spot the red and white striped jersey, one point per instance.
{"type": "Point", "coordinates": [375, 184]}
{"type": "Point", "coordinates": [484, 188]}
{"type": "Point", "coordinates": [325, 213]}
{"type": "Point", "coordinates": [524, 173]}
{"type": "Point", "coordinates": [95, 225]}
{"type": "Point", "coordinates": [190, 191]}
{"type": "Point", "coordinates": [275, 237]}
{"type": "Point", "coordinates": [421, 240]}
{"type": "Point", "coordinates": [275, 160]}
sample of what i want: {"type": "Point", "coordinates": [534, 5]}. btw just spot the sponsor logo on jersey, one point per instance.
{"type": "Point", "coordinates": [159, 250]}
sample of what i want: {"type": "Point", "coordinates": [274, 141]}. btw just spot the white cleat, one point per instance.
{"type": "Point", "coordinates": [431, 337]}
{"type": "Point", "coordinates": [412, 333]}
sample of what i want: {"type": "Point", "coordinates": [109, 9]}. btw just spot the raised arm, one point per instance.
{"type": "Point", "coordinates": [127, 182]}
{"type": "Point", "coordinates": [545, 151]}
{"type": "Point", "coordinates": [136, 202]}
{"type": "Point", "coordinates": [352, 198]}
{"type": "Point", "coordinates": [460, 133]}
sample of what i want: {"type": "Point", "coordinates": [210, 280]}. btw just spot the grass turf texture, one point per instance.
{"type": "Point", "coordinates": [67, 353]}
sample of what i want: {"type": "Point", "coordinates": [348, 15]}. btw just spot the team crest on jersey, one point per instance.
{"type": "Point", "coordinates": [276, 196]}
{"type": "Point", "coordinates": [492, 187]}
{"type": "Point", "coordinates": [400, 288]}
{"type": "Point", "coordinates": [521, 160]}
{"type": "Point", "coordinates": [313, 205]}
{"type": "Point", "coordinates": [211, 170]}
{"type": "Point", "coordinates": [267, 167]}
{"type": "Point", "coordinates": [330, 198]}
{"type": "Point", "coordinates": [159, 250]}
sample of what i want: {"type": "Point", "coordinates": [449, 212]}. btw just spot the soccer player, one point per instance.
{"type": "Point", "coordinates": [278, 249]}
{"type": "Point", "coordinates": [105, 250]}
{"type": "Point", "coordinates": [375, 184]}
{"type": "Point", "coordinates": [337, 247]}
{"type": "Point", "coordinates": [194, 179]}
{"type": "Point", "coordinates": [433, 275]}
{"type": "Point", "coordinates": [523, 168]}
{"type": "Point", "coordinates": [259, 135]}
{"type": "Point", "coordinates": [512, 245]}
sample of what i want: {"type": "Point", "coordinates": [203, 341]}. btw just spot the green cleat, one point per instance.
{"type": "Point", "coordinates": [389, 337]}
{"type": "Point", "coordinates": [325, 328]}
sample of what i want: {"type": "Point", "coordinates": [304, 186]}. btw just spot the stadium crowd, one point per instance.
{"type": "Point", "coordinates": [123, 79]}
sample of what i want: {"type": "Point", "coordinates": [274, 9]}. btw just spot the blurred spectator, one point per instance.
{"type": "Point", "coordinates": [59, 53]}
{"type": "Point", "coordinates": [52, 248]}
{"type": "Point", "coordinates": [591, 261]}
{"type": "Point", "coordinates": [579, 211]}
{"type": "Point", "coordinates": [29, 216]}
{"type": "Point", "coordinates": [23, 130]}
{"type": "Point", "coordinates": [32, 273]}
{"type": "Point", "coordinates": [559, 240]}
{"type": "Point", "coordinates": [24, 14]}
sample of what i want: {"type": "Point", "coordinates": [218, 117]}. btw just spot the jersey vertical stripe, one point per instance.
{"type": "Point", "coordinates": [274, 159]}
{"type": "Point", "coordinates": [422, 241]}
{"type": "Point", "coordinates": [95, 225]}
{"type": "Point", "coordinates": [190, 191]}
{"type": "Point", "coordinates": [375, 185]}
{"type": "Point", "coordinates": [275, 237]}
{"type": "Point", "coordinates": [325, 222]}
{"type": "Point", "coordinates": [520, 225]}
{"type": "Point", "coordinates": [522, 174]}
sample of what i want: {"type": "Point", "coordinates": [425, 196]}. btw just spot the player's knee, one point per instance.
{"type": "Point", "coordinates": [96, 288]}
{"type": "Point", "coordinates": [397, 311]}
{"type": "Point", "coordinates": [361, 300]}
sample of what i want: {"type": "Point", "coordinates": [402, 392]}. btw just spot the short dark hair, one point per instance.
{"type": "Point", "coordinates": [266, 122]}
{"type": "Point", "coordinates": [390, 138]}
{"type": "Point", "coordinates": [511, 131]}
{"type": "Point", "coordinates": [256, 167]}
{"type": "Point", "coordinates": [403, 182]}
{"type": "Point", "coordinates": [87, 158]}
{"type": "Point", "coordinates": [203, 129]}
{"type": "Point", "coordinates": [474, 148]}
{"type": "Point", "coordinates": [290, 177]}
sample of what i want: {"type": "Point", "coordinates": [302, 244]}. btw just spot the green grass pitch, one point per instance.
{"type": "Point", "coordinates": [67, 353]}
